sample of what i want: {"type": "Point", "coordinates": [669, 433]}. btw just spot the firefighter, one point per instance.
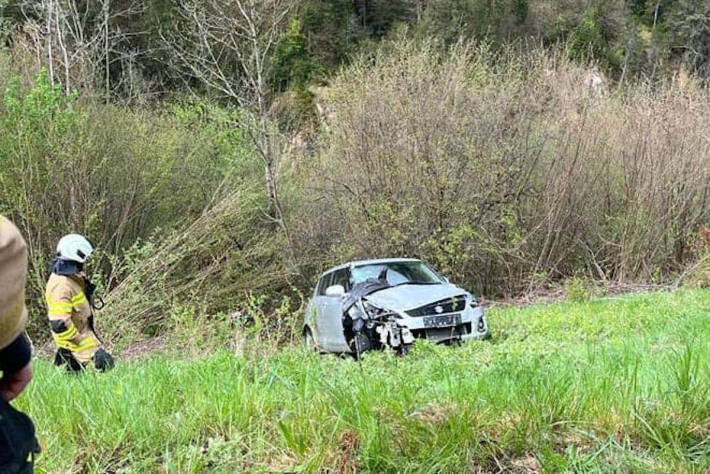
{"type": "Point", "coordinates": [17, 439]}
{"type": "Point", "coordinates": [15, 352]}
{"type": "Point", "coordinates": [70, 306]}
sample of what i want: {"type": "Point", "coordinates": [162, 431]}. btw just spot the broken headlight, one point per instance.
{"type": "Point", "coordinates": [375, 312]}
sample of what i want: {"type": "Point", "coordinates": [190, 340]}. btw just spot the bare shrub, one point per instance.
{"type": "Point", "coordinates": [82, 45]}
{"type": "Point", "coordinates": [509, 172]}
{"type": "Point", "coordinates": [213, 265]}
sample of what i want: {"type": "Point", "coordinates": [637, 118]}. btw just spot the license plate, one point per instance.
{"type": "Point", "coordinates": [442, 321]}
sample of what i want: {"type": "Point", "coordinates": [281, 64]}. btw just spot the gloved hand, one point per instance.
{"type": "Point", "coordinates": [12, 384]}
{"type": "Point", "coordinates": [103, 361]}
{"type": "Point", "coordinates": [15, 361]}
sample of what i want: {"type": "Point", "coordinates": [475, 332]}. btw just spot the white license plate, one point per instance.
{"type": "Point", "coordinates": [443, 321]}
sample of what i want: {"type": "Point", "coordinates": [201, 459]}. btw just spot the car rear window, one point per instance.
{"type": "Point", "coordinates": [342, 277]}
{"type": "Point", "coordinates": [323, 284]}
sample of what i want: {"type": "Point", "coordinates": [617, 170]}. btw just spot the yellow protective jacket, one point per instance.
{"type": "Point", "coordinates": [70, 316]}
{"type": "Point", "coordinates": [13, 276]}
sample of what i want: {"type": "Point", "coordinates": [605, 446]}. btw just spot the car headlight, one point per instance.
{"type": "Point", "coordinates": [375, 312]}
{"type": "Point", "coordinates": [481, 324]}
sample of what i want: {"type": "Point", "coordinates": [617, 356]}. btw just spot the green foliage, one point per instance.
{"type": "Point", "coordinates": [293, 70]}
{"type": "Point", "coordinates": [587, 39]}
{"type": "Point", "coordinates": [5, 22]}
{"type": "Point", "coordinates": [379, 16]}
{"type": "Point", "coordinates": [521, 8]}
{"type": "Point", "coordinates": [43, 104]}
{"type": "Point", "coordinates": [612, 385]}
{"type": "Point", "coordinates": [292, 62]}
{"type": "Point", "coordinates": [577, 290]}
{"type": "Point", "coordinates": [332, 30]}
{"type": "Point", "coordinates": [452, 20]}
{"type": "Point", "coordinates": [689, 27]}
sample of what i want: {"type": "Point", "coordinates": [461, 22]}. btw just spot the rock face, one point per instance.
{"type": "Point", "coordinates": [594, 82]}
{"type": "Point", "coordinates": [320, 96]}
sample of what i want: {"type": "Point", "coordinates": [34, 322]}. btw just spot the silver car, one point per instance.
{"type": "Point", "coordinates": [372, 304]}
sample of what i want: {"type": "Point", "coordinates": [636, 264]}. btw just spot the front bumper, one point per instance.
{"type": "Point", "coordinates": [473, 326]}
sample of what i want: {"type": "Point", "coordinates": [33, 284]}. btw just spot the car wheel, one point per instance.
{"type": "Point", "coordinates": [405, 349]}
{"type": "Point", "coordinates": [309, 340]}
{"type": "Point", "coordinates": [360, 344]}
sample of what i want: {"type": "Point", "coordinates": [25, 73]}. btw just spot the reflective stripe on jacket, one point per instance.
{"type": "Point", "coordinates": [69, 316]}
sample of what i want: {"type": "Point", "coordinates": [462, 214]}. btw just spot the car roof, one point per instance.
{"type": "Point", "coordinates": [360, 263]}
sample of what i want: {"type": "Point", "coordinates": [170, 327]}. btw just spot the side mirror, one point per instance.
{"type": "Point", "coordinates": [335, 290]}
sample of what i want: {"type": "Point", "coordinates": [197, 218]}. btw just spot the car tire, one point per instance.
{"type": "Point", "coordinates": [360, 344]}
{"type": "Point", "coordinates": [405, 349]}
{"type": "Point", "coordinates": [309, 341]}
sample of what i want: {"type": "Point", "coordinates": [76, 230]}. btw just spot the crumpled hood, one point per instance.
{"type": "Point", "coordinates": [406, 297]}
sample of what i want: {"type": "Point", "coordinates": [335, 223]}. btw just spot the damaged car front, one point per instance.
{"type": "Point", "coordinates": [389, 303]}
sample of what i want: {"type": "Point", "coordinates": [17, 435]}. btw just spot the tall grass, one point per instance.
{"type": "Point", "coordinates": [614, 385]}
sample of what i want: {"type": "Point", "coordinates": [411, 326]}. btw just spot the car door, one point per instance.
{"type": "Point", "coordinates": [316, 311]}
{"type": "Point", "coordinates": [312, 307]}
{"type": "Point", "coordinates": [330, 315]}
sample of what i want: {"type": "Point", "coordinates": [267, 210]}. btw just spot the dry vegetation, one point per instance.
{"type": "Point", "coordinates": [511, 172]}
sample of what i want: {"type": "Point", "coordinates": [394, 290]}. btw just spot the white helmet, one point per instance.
{"type": "Point", "coordinates": [74, 247]}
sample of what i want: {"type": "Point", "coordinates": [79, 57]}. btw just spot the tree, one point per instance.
{"type": "Point", "coordinates": [83, 45]}
{"type": "Point", "coordinates": [226, 47]}
{"type": "Point", "coordinates": [331, 28]}
{"type": "Point", "coordinates": [291, 61]}
{"type": "Point", "coordinates": [689, 25]}
{"type": "Point", "coordinates": [378, 16]}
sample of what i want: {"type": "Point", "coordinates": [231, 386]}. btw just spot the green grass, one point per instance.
{"type": "Point", "coordinates": [616, 385]}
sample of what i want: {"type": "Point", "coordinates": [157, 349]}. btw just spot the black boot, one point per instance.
{"type": "Point", "coordinates": [65, 357]}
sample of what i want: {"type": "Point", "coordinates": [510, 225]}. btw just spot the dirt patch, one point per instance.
{"type": "Point", "coordinates": [558, 294]}
{"type": "Point", "coordinates": [527, 464]}
{"type": "Point", "coordinates": [348, 445]}
{"type": "Point", "coordinates": [140, 349]}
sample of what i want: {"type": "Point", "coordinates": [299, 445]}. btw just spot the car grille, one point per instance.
{"type": "Point", "coordinates": [443, 334]}
{"type": "Point", "coordinates": [449, 305]}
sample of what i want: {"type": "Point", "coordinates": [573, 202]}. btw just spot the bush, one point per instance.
{"type": "Point", "coordinates": [576, 290]}
{"type": "Point", "coordinates": [112, 173]}
{"type": "Point", "coordinates": [499, 169]}
{"type": "Point", "coordinates": [587, 39]}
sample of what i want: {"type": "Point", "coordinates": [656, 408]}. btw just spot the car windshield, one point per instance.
{"type": "Point", "coordinates": [398, 273]}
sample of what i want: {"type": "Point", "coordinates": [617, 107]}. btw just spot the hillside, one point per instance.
{"type": "Point", "coordinates": [616, 384]}
{"type": "Point", "coordinates": [221, 154]}
{"type": "Point", "coordinates": [218, 156]}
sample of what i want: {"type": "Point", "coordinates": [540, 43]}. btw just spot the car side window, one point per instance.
{"type": "Point", "coordinates": [323, 284]}
{"type": "Point", "coordinates": [342, 277]}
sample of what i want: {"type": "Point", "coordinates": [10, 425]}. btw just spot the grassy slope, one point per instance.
{"type": "Point", "coordinates": [614, 385]}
